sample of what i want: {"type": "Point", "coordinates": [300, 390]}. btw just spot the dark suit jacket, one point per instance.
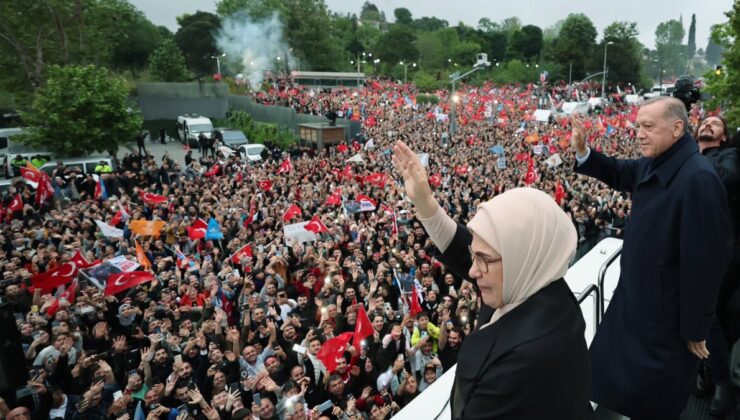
{"type": "Point", "coordinates": [676, 247]}
{"type": "Point", "coordinates": [530, 364]}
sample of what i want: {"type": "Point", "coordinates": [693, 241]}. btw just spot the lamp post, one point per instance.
{"type": "Point", "coordinates": [405, 69]}
{"type": "Point", "coordinates": [218, 62]}
{"type": "Point", "coordinates": [480, 65]}
{"type": "Point", "coordinates": [603, 76]}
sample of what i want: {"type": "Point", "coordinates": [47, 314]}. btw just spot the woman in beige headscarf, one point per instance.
{"type": "Point", "coordinates": [528, 359]}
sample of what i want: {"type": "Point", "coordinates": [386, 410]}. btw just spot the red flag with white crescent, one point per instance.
{"type": "Point", "coordinates": [49, 280]}
{"type": "Point", "coordinates": [316, 225]}
{"type": "Point", "coordinates": [197, 230]}
{"type": "Point", "coordinates": [16, 204]}
{"type": "Point", "coordinates": [31, 174]}
{"type": "Point", "coordinates": [265, 185]}
{"type": "Point", "coordinates": [151, 198]}
{"type": "Point", "coordinates": [335, 199]}
{"type": "Point", "coordinates": [245, 251]}
{"type": "Point", "coordinates": [120, 282]}
{"type": "Point", "coordinates": [292, 212]}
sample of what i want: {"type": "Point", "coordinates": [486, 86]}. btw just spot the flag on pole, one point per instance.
{"type": "Point", "coordinates": [197, 230]}
{"type": "Point", "coordinates": [120, 282]}
{"type": "Point", "coordinates": [335, 199]}
{"type": "Point", "coordinates": [146, 227]}
{"type": "Point", "coordinates": [101, 193]}
{"type": "Point", "coordinates": [286, 167]}
{"type": "Point", "coordinates": [293, 211]}
{"type": "Point", "coordinates": [30, 173]}
{"type": "Point", "coordinates": [245, 251]}
{"type": "Point", "coordinates": [366, 203]}
{"type": "Point", "coordinates": [109, 231]}
{"type": "Point", "coordinates": [333, 349]}
{"type": "Point", "coordinates": [316, 225]}
{"type": "Point", "coordinates": [141, 256]}
{"type": "Point", "coordinates": [49, 280]}
{"type": "Point", "coordinates": [151, 198]}
{"type": "Point", "coordinates": [265, 185]}
{"type": "Point", "coordinates": [363, 327]}
{"type": "Point", "coordinates": [214, 230]}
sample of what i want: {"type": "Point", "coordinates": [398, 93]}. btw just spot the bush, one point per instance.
{"type": "Point", "coordinates": [427, 99]}
{"type": "Point", "coordinates": [258, 132]}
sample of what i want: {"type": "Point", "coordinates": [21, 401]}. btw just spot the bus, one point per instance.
{"type": "Point", "coordinates": [321, 79]}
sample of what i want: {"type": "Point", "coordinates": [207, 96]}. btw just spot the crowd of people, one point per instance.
{"type": "Point", "coordinates": [218, 332]}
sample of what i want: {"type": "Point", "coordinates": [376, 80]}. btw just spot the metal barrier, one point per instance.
{"type": "Point", "coordinates": [597, 298]}
{"type": "Point", "coordinates": [602, 276]}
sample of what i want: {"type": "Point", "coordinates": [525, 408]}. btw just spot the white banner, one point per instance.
{"type": "Point", "coordinates": [99, 274]}
{"type": "Point", "coordinates": [538, 149]}
{"type": "Point", "coordinates": [296, 233]}
{"type": "Point", "coordinates": [108, 230]}
{"type": "Point", "coordinates": [554, 161]}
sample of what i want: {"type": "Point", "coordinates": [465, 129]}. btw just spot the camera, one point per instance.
{"type": "Point", "coordinates": [687, 91]}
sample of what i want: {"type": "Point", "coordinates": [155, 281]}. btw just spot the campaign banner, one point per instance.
{"type": "Point", "coordinates": [501, 162]}
{"type": "Point", "coordinates": [99, 274]}
{"type": "Point", "coordinates": [297, 233]}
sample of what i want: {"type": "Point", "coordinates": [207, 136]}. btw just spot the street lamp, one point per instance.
{"type": "Point", "coordinates": [481, 63]}
{"type": "Point", "coordinates": [405, 69]}
{"type": "Point", "coordinates": [218, 62]}
{"type": "Point", "coordinates": [603, 76]}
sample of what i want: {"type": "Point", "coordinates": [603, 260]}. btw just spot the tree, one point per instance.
{"type": "Point", "coordinates": [133, 48]}
{"type": "Point", "coordinates": [196, 38]}
{"type": "Point", "coordinates": [370, 12]}
{"type": "Point", "coordinates": [80, 110]}
{"type": "Point", "coordinates": [309, 31]}
{"type": "Point", "coordinates": [725, 87]}
{"type": "Point", "coordinates": [713, 54]}
{"type": "Point", "coordinates": [576, 43]}
{"type": "Point", "coordinates": [552, 32]}
{"type": "Point", "coordinates": [669, 47]}
{"type": "Point", "coordinates": [403, 16]}
{"type": "Point", "coordinates": [691, 46]}
{"type": "Point", "coordinates": [430, 24]}
{"type": "Point", "coordinates": [525, 43]}
{"type": "Point", "coordinates": [624, 55]}
{"type": "Point", "coordinates": [487, 25]}
{"type": "Point", "coordinates": [257, 9]}
{"type": "Point", "coordinates": [398, 44]}
{"type": "Point", "coordinates": [167, 64]}
{"type": "Point", "coordinates": [34, 34]}
{"type": "Point", "coordinates": [511, 25]}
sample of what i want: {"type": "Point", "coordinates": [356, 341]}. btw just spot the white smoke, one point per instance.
{"type": "Point", "coordinates": [255, 45]}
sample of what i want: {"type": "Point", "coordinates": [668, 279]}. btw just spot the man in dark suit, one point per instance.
{"type": "Point", "coordinates": [677, 244]}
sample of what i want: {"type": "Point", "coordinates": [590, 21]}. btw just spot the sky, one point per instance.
{"type": "Point", "coordinates": [543, 13]}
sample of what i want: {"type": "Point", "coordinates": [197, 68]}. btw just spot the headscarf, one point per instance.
{"type": "Point", "coordinates": [125, 321]}
{"type": "Point", "coordinates": [535, 238]}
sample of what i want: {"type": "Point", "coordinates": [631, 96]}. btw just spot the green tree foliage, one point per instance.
{"type": "Point", "coordinates": [713, 54]}
{"type": "Point", "coordinates": [576, 43]}
{"type": "Point", "coordinates": [725, 87]}
{"type": "Point", "coordinates": [167, 63]}
{"type": "Point", "coordinates": [81, 109]}
{"type": "Point", "coordinates": [309, 33]}
{"type": "Point", "coordinates": [133, 48]}
{"type": "Point", "coordinates": [403, 16]}
{"type": "Point", "coordinates": [257, 9]}
{"type": "Point", "coordinates": [430, 24]}
{"type": "Point", "coordinates": [196, 38]}
{"type": "Point", "coordinates": [623, 56]}
{"type": "Point", "coordinates": [370, 12]}
{"type": "Point", "coordinates": [669, 47]}
{"type": "Point", "coordinates": [35, 34]}
{"type": "Point", "coordinates": [398, 44]}
{"type": "Point", "coordinates": [525, 43]}
{"type": "Point", "coordinates": [691, 46]}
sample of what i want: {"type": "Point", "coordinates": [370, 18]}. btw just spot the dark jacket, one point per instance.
{"type": "Point", "coordinates": [727, 164]}
{"type": "Point", "coordinates": [676, 247]}
{"type": "Point", "coordinates": [530, 364]}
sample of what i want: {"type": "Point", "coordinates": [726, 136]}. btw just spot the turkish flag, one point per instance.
{"type": "Point", "coordinates": [377, 179]}
{"type": "Point", "coordinates": [292, 212]}
{"type": "Point", "coordinates": [366, 203]}
{"type": "Point", "coordinates": [335, 199]}
{"type": "Point", "coordinates": [250, 219]}
{"type": "Point", "coordinates": [347, 172]}
{"type": "Point", "coordinates": [559, 193]}
{"type": "Point", "coordinates": [414, 306]}
{"type": "Point", "coordinates": [461, 170]}
{"type": "Point", "coordinates": [342, 148]}
{"type": "Point", "coordinates": [121, 282]}
{"type": "Point", "coordinates": [531, 176]}
{"type": "Point", "coordinates": [239, 177]}
{"type": "Point", "coordinates": [49, 280]}
{"type": "Point", "coordinates": [44, 190]}
{"type": "Point", "coordinates": [151, 198]}
{"type": "Point", "coordinates": [333, 349]}
{"type": "Point", "coordinates": [16, 204]}
{"type": "Point", "coordinates": [363, 327]}
{"type": "Point", "coordinates": [81, 262]}
{"type": "Point", "coordinates": [316, 225]}
{"type": "Point", "coordinates": [214, 170]}
{"type": "Point", "coordinates": [265, 185]}
{"type": "Point", "coordinates": [435, 180]}
{"type": "Point", "coordinates": [197, 230]}
{"type": "Point", "coordinates": [245, 251]}
{"type": "Point", "coordinates": [31, 173]}
{"type": "Point", "coordinates": [286, 167]}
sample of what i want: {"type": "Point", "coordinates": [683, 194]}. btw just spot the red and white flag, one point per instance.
{"type": "Point", "coordinates": [531, 176]}
{"type": "Point", "coordinates": [335, 199]}
{"type": "Point", "coordinates": [50, 280]}
{"type": "Point", "coordinates": [377, 179]}
{"type": "Point", "coordinates": [286, 167]}
{"type": "Point", "coordinates": [16, 204]}
{"type": "Point", "coordinates": [435, 180]}
{"type": "Point", "coordinates": [366, 203]}
{"type": "Point", "coordinates": [151, 198]}
{"type": "Point", "coordinates": [245, 251]}
{"type": "Point", "coordinates": [265, 185]}
{"type": "Point", "coordinates": [30, 173]}
{"type": "Point", "coordinates": [120, 282]}
{"type": "Point", "coordinates": [333, 349]}
{"type": "Point", "coordinates": [347, 172]}
{"type": "Point", "coordinates": [197, 230]}
{"type": "Point", "coordinates": [316, 225]}
{"type": "Point", "coordinates": [293, 211]}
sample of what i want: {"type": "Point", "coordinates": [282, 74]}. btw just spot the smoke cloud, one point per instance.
{"type": "Point", "coordinates": [255, 45]}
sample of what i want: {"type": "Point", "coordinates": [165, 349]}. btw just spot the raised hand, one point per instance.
{"type": "Point", "coordinates": [578, 135]}
{"type": "Point", "coordinates": [415, 178]}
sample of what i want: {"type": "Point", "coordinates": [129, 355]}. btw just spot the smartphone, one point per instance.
{"type": "Point", "coordinates": [424, 334]}
{"type": "Point", "coordinates": [183, 409]}
{"type": "Point", "coordinates": [299, 349]}
{"type": "Point", "coordinates": [178, 358]}
{"type": "Point", "coordinates": [400, 357]}
{"type": "Point", "coordinates": [34, 309]}
{"type": "Point", "coordinates": [257, 398]}
{"type": "Point", "coordinates": [87, 310]}
{"type": "Point", "coordinates": [234, 386]}
{"type": "Point", "coordinates": [326, 405]}
{"type": "Point", "coordinates": [117, 395]}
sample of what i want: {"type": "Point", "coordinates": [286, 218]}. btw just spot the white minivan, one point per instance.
{"type": "Point", "coordinates": [190, 126]}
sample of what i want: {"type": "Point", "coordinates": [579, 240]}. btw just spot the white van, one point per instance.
{"type": "Point", "coordinates": [85, 165]}
{"type": "Point", "coordinates": [190, 126]}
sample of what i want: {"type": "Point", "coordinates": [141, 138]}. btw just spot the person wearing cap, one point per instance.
{"type": "Point", "coordinates": [531, 329]}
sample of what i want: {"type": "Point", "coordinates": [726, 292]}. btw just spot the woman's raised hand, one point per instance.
{"type": "Point", "coordinates": [415, 178]}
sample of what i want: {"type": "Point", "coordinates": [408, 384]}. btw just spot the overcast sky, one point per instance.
{"type": "Point", "coordinates": [543, 13]}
